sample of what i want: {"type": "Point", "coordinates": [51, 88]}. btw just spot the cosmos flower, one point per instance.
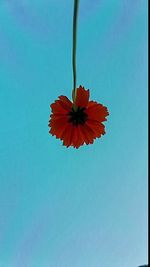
{"type": "Point", "coordinates": [79, 122]}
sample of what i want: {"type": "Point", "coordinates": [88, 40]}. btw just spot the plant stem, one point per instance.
{"type": "Point", "coordinates": [75, 17]}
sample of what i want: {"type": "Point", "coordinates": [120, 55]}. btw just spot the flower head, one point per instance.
{"type": "Point", "coordinates": [77, 123]}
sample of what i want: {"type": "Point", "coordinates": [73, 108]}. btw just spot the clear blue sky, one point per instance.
{"type": "Point", "coordinates": [63, 207]}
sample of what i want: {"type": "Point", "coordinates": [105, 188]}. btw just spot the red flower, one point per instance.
{"type": "Point", "coordinates": [77, 123]}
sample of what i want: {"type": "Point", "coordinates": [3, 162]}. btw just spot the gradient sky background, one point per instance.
{"type": "Point", "coordinates": [63, 207]}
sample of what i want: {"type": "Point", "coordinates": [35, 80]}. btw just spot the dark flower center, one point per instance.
{"type": "Point", "coordinates": [77, 116]}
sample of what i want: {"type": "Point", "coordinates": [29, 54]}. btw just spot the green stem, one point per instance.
{"type": "Point", "coordinates": [75, 17]}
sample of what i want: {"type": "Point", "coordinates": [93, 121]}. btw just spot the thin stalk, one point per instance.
{"type": "Point", "coordinates": [75, 18]}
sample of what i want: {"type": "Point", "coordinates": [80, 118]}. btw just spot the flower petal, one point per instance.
{"type": "Point", "coordinates": [81, 139]}
{"type": "Point", "coordinates": [96, 111]}
{"type": "Point", "coordinates": [66, 136]}
{"type": "Point", "coordinates": [88, 134]}
{"type": "Point", "coordinates": [84, 134]}
{"type": "Point", "coordinates": [66, 101]}
{"type": "Point", "coordinates": [82, 97]}
{"type": "Point", "coordinates": [57, 127]}
{"type": "Point", "coordinates": [57, 108]}
{"type": "Point", "coordinates": [96, 127]}
{"type": "Point", "coordinates": [78, 137]}
{"type": "Point", "coordinates": [74, 136]}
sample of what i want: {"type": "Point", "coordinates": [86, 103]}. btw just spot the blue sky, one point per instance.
{"type": "Point", "coordinates": [63, 207]}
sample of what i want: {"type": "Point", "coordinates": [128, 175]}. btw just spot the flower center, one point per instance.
{"type": "Point", "coordinates": [77, 116]}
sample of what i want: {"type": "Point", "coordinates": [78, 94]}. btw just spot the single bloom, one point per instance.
{"type": "Point", "coordinates": [79, 122]}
